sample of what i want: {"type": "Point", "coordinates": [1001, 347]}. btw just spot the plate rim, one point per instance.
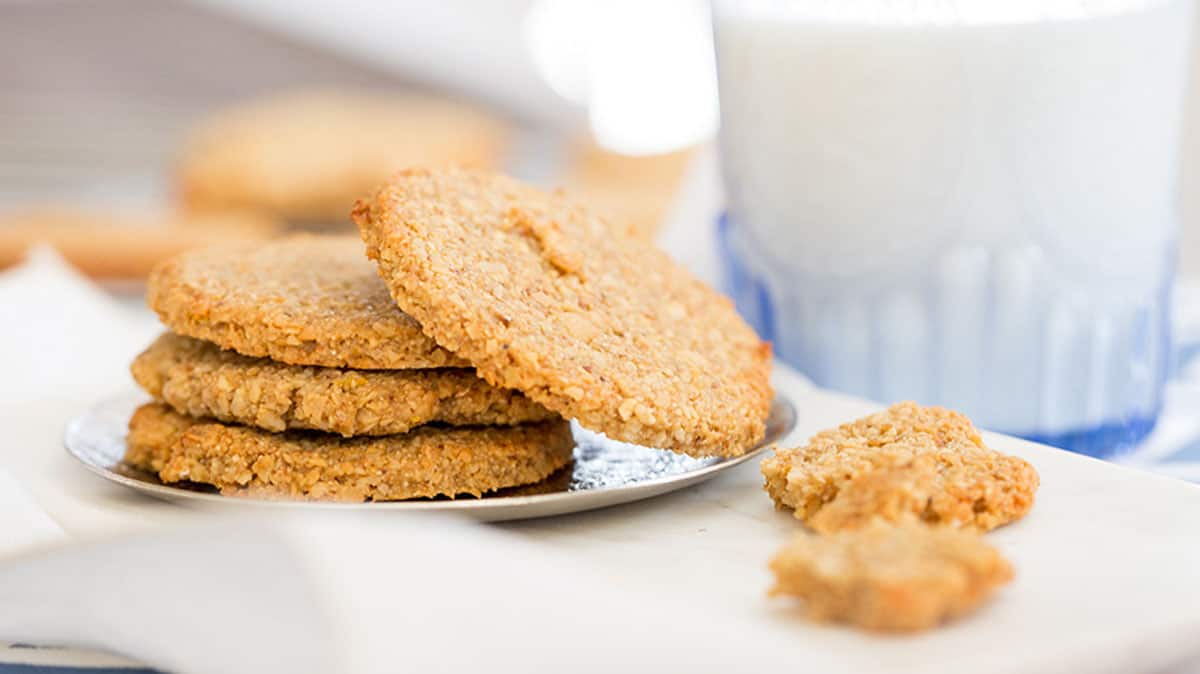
{"type": "Point", "coordinates": [634, 492]}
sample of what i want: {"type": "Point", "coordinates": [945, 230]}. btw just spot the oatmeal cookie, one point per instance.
{"type": "Point", "coordinates": [973, 486]}
{"type": "Point", "coordinates": [428, 461]}
{"type": "Point", "coordinates": [302, 300]}
{"type": "Point", "coordinates": [542, 296]}
{"type": "Point", "coordinates": [890, 577]}
{"type": "Point", "coordinates": [122, 246]}
{"type": "Point", "coordinates": [306, 156]}
{"type": "Point", "coordinates": [199, 379]}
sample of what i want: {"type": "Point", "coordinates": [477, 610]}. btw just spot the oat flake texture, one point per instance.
{"type": "Point", "coordinates": [926, 461]}
{"type": "Point", "coordinates": [196, 378]}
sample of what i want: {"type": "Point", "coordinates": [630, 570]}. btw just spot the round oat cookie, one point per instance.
{"type": "Point", "coordinates": [120, 246]}
{"type": "Point", "coordinates": [305, 156]}
{"type": "Point", "coordinates": [303, 300]}
{"type": "Point", "coordinates": [542, 296]}
{"type": "Point", "coordinates": [199, 379]}
{"type": "Point", "coordinates": [426, 462]}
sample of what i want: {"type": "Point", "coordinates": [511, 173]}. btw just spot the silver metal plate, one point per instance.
{"type": "Point", "coordinates": [604, 472]}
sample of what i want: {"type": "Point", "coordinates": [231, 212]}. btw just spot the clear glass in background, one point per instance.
{"type": "Point", "coordinates": [966, 203]}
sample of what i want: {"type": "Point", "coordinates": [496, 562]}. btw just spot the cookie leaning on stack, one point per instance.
{"type": "Point", "coordinates": [545, 297]}
{"type": "Point", "coordinates": [260, 393]}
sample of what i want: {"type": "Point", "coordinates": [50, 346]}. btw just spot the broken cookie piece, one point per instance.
{"type": "Point", "coordinates": [893, 577]}
{"type": "Point", "coordinates": [972, 485]}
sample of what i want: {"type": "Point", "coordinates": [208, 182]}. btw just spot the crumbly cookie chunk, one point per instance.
{"type": "Point", "coordinates": [974, 485]}
{"type": "Point", "coordinates": [199, 379]}
{"type": "Point", "coordinates": [303, 300]}
{"type": "Point", "coordinates": [122, 246]}
{"type": "Point", "coordinates": [543, 297]}
{"type": "Point", "coordinates": [891, 577]}
{"type": "Point", "coordinates": [306, 156]}
{"type": "Point", "coordinates": [428, 461]}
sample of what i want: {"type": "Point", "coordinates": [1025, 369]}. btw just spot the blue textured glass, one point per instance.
{"type": "Point", "coordinates": [1089, 380]}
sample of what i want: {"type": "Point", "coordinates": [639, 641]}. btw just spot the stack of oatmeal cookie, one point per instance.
{"type": "Point", "coordinates": [289, 372]}
{"type": "Point", "coordinates": [297, 369]}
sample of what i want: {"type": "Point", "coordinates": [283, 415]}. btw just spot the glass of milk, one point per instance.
{"type": "Point", "coordinates": [969, 203]}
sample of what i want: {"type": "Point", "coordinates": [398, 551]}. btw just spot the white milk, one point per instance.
{"type": "Point", "coordinates": [964, 202]}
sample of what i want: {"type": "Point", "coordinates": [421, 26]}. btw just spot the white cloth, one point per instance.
{"type": "Point", "coordinates": [1106, 562]}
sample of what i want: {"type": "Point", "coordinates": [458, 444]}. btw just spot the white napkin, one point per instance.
{"type": "Point", "coordinates": [62, 337]}
{"type": "Point", "coordinates": [325, 592]}
{"type": "Point", "coordinates": [24, 523]}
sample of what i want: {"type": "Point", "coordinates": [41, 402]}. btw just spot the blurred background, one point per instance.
{"type": "Point", "coordinates": [118, 113]}
{"type": "Point", "coordinates": [98, 100]}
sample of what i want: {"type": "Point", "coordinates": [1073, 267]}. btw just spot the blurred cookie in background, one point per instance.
{"type": "Point", "coordinates": [306, 156]}
{"type": "Point", "coordinates": [117, 246]}
{"type": "Point", "coordinates": [634, 191]}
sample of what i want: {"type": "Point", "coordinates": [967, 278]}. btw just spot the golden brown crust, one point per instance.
{"type": "Point", "coordinates": [545, 298]}
{"type": "Point", "coordinates": [429, 461]}
{"type": "Point", "coordinates": [306, 156]}
{"type": "Point", "coordinates": [199, 379]}
{"type": "Point", "coordinates": [153, 430]}
{"type": "Point", "coordinates": [973, 486]}
{"type": "Point", "coordinates": [303, 300]}
{"type": "Point", "coordinates": [890, 577]}
{"type": "Point", "coordinates": [114, 246]}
